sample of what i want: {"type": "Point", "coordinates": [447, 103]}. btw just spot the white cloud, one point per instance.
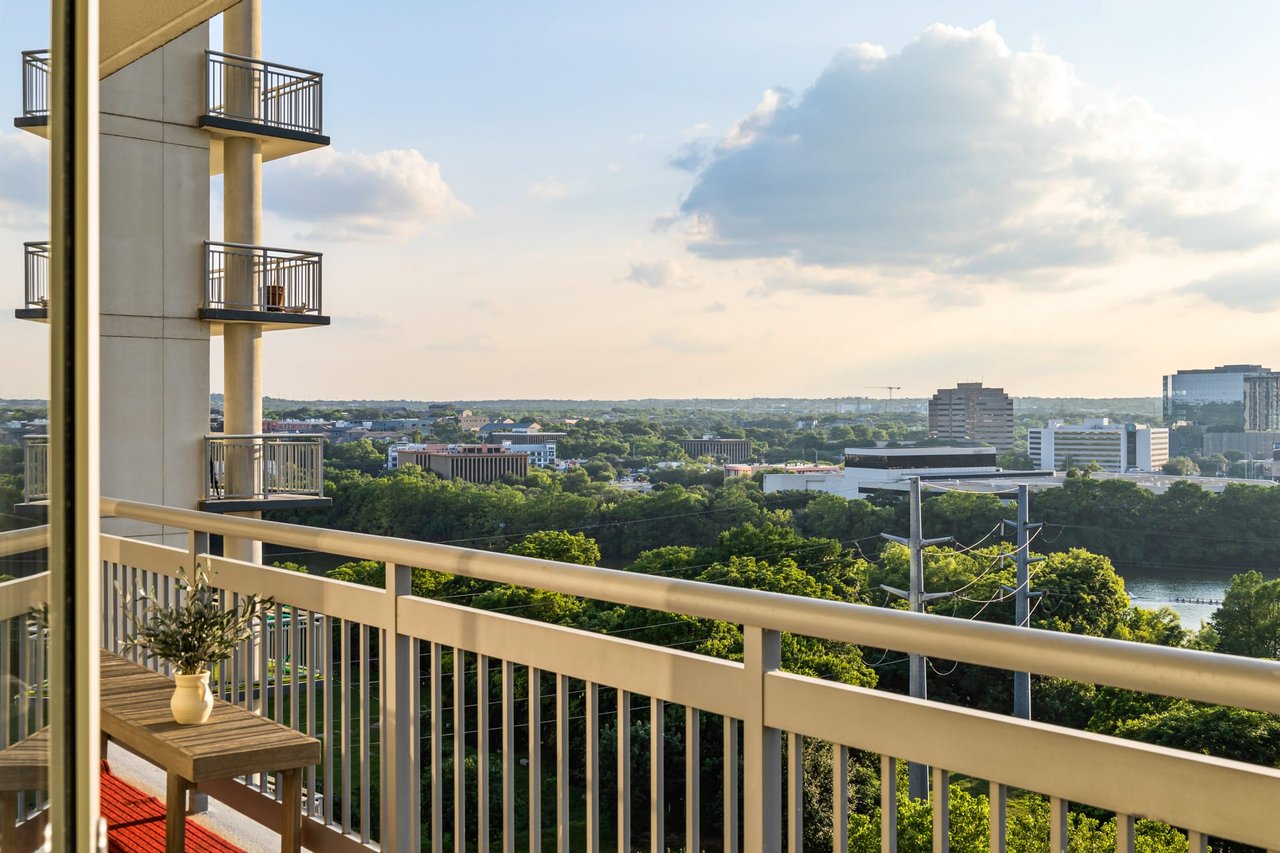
{"type": "Point", "coordinates": [387, 195]}
{"type": "Point", "coordinates": [962, 158]}
{"type": "Point", "coordinates": [661, 274]}
{"type": "Point", "coordinates": [1255, 289]}
{"type": "Point", "coordinates": [548, 189]}
{"type": "Point", "coordinates": [24, 183]}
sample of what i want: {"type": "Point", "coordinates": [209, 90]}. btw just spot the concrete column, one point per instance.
{"type": "Point", "coordinates": [242, 223]}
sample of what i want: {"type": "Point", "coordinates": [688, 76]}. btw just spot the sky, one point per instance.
{"type": "Point", "coordinates": [735, 199]}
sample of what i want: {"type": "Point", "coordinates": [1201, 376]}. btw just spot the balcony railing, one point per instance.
{"type": "Point", "coordinates": [35, 468]}
{"type": "Point", "coordinates": [259, 467]}
{"type": "Point", "coordinates": [35, 84]}
{"type": "Point", "coordinates": [442, 721]}
{"type": "Point", "coordinates": [262, 279]}
{"type": "Point", "coordinates": [264, 93]}
{"type": "Point", "coordinates": [36, 274]}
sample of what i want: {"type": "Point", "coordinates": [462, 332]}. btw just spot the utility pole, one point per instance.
{"type": "Point", "coordinates": [1022, 594]}
{"type": "Point", "coordinates": [917, 774]}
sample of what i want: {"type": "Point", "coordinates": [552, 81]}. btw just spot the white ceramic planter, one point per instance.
{"type": "Point", "coordinates": [192, 700]}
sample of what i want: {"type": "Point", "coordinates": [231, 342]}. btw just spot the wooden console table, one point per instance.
{"type": "Point", "coordinates": [135, 714]}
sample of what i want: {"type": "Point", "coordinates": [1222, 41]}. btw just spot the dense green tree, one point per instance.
{"type": "Point", "coordinates": [1248, 622]}
{"type": "Point", "coordinates": [1180, 466]}
{"type": "Point", "coordinates": [559, 545]}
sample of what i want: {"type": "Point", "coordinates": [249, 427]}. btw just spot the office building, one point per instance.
{"type": "Point", "coordinates": [970, 412]}
{"type": "Point", "coordinates": [726, 450]}
{"type": "Point", "coordinates": [1117, 447]}
{"type": "Point", "coordinates": [1262, 403]}
{"type": "Point", "coordinates": [1213, 398]}
{"type": "Point", "coordinates": [542, 453]}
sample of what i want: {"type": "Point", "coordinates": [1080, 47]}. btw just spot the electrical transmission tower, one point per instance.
{"type": "Point", "coordinates": [917, 774]}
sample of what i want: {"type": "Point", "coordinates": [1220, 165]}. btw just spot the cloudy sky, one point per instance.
{"type": "Point", "coordinates": [739, 198]}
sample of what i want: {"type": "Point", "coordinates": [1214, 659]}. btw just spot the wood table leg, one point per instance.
{"type": "Point", "coordinates": [291, 811]}
{"type": "Point", "coordinates": [8, 821]}
{"type": "Point", "coordinates": [175, 815]}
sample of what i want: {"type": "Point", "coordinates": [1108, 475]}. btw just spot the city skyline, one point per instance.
{"type": "Point", "coordinates": [814, 204]}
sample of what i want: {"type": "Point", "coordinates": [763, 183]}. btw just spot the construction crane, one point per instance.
{"type": "Point", "coordinates": [889, 388]}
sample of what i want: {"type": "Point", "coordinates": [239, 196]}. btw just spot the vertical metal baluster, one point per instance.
{"type": "Point", "coordinates": [888, 804]}
{"type": "Point", "coordinates": [998, 797]}
{"type": "Point", "coordinates": [795, 793]}
{"type": "Point", "coordinates": [7, 679]}
{"type": "Point", "coordinates": [344, 738]}
{"type": "Point", "coordinates": [591, 730]}
{"type": "Point", "coordinates": [1124, 833]}
{"type": "Point", "coordinates": [364, 632]}
{"type": "Point", "coordinates": [326, 717]}
{"type": "Point", "coordinates": [692, 779]}
{"type": "Point", "coordinates": [839, 798]}
{"type": "Point", "coordinates": [415, 736]}
{"type": "Point", "coordinates": [309, 722]}
{"type": "Point", "coordinates": [731, 787]}
{"type": "Point", "coordinates": [508, 757]}
{"type": "Point", "coordinates": [562, 763]}
{"type": "Point", "coordinates": [437, 749]}
{"type": "Point", "coordinates": [24, 675]}
{"type": "Point", "coordinates": [482, 749]}
{"type": "Point", "coordinates": [1058, 810]}
{"type": "Point", "coordinates": [535, 760]}
{"type": "Point", "coordinates": [459, 750]}
{"type": "Point", "coordinates": [657, 780]}
{"type": "Point", "coordinates": [624, 771]}
{"type": "Point", "coordinates": [942, 810]}
{"type": "Point", "coordinates": [278, 658]}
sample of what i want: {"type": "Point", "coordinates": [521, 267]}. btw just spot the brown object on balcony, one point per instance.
{"type": "Point", "coordinates": [234, 742]}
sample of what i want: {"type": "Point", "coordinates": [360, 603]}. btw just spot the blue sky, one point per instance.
{"type": "Point", "coordinates": [735, 199]}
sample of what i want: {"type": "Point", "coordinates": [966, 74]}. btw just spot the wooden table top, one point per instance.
{"type": "Point", "coordinates": [135, 713]}
{"type": "Point", "coordinates": [24, 765]}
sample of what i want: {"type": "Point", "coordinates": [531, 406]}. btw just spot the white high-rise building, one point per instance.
{"type": "Point", "coordinates": [1117, 447]}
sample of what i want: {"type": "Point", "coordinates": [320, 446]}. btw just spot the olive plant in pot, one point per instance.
{"type": "Point", "coordinates": [194, 636]}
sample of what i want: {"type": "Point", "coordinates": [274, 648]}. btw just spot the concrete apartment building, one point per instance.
{"type": "Point", "coordinates": [727, 450]}
{"type": "Point", "coordinates": [1117, 447]}
{"type": "Point", "coordinates": [169, 121]}
{"type": "Point", "coordinates": [971, 412]}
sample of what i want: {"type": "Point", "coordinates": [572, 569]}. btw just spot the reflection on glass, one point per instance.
{"type": "Point", "coordinates": [24, 436]}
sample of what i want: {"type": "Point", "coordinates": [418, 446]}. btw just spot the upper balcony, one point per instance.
{"type": "Point", "coordinates": [245, 473]}
{"type": "Point", "coordinates": [277, 104]}
{"type": "Point", "coordinates": [35, 279]}
{"type": "Point", "coordinates": [277, 288]}
{"type": "Point", "coordinates": [35, 93]}
{"type": "Point", "coordinates": [447, 726]}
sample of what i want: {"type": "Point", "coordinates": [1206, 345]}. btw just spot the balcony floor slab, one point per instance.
{"type": "Point", "coordinates": [40, 315]}
{"type": "Point", "coordinates": [276, 142]}
{"type": "Point", "coordinates": [275, 502]}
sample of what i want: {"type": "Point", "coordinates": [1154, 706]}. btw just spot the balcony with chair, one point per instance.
{"type": "Point", "coordinates": [245, 473]}
{"type": "Point", "coordinates": [444, 726]}
{"type": "Point", "coordinates": [35, 278]}
{"type": "Point", "coordinates": [277, 104]}
{"type": "Point", "coordinates": [276, 288]}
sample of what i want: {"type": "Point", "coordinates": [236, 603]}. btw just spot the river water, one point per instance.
{"type": "Point", "coordinates": [1194, 594]}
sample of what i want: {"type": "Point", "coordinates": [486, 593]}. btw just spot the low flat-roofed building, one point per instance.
{"type": "Point", "coordinates": [730, 450]}
{"type": "Point", "coordinates": [475, 463]}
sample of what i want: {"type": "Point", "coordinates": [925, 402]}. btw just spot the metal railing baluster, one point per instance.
{"type": "Point", "coordinates": [839, 798]}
